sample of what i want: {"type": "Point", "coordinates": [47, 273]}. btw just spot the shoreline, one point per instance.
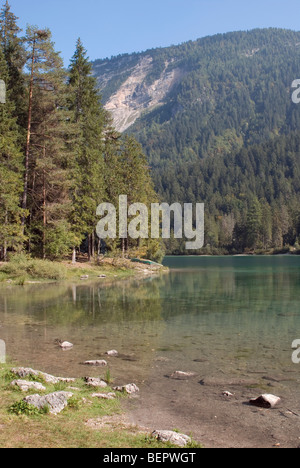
{"type": "Point", "coordinates": [48, 272]}
{"type": "Point", "coordinates": [217, 420]}
{"type": "Point", "coordinates": [86, 419]}
{"type": "Point", "coordinates": [39, 410]}
{"type": "Point", "coordinates": [210, 417]}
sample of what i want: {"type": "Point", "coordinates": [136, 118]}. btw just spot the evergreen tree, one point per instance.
{"type": "Point", "coordinates": [38, 44]}
{"type": "Point", "coordinates": [46, 160]}
{"type": "Point", "coordinates": [89, 120]}
{"type": "Point", "coordinates": [15, 56]}
{"type": "Point", "coordinates": [10, 173]}
{"type": "Point", "coordinates": [254, 224]}
{"type": "Point", "coordinates": [129, 175]}
{"type": "Point", "coordinates": [266, 226]}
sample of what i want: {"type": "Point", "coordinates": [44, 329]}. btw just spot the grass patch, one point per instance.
{"type": "Point", "coordinates": [22, 267]}
{"type": "Point", "coordinates": [23, 408]}
{"type": "Point", "coordinates": [24, 426]}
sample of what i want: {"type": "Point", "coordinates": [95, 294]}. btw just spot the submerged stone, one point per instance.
{"type": "Point", "coordinates": [179, 375]}
{"type": "Point", "coordinates": [99, 363]}
{"type": "Point", "coordinates": [65, 345]}
{"type": "Point", "coordinates": [113, 353]}
{"type": "Point", "coordinates": [130, 389]}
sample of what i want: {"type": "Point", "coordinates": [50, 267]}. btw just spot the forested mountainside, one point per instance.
{"type": "Point", "coordinates": [216, 120]}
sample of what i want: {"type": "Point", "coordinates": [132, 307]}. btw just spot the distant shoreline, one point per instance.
{"type": "Point", "coordinates": [21, 271]}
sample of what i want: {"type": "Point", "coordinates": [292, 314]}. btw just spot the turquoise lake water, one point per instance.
{"type": "Point", "coordinates": [237, 314]}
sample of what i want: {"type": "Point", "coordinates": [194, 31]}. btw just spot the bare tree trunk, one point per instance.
{"type": "Point", "coordinates": [93, 245]}
{"type": "Point", "coordinates": [89, 247]}
{"type": "Point", "coordinates": [5, 242]}
{"type": "Point", "coordinates": [5, 251]}
{"type": "Point", "coordinates": [30, 213]}
{"type": "Point", "coordinates": [44, 217]}
{"type": "Point", "coordinates": [74, 256]}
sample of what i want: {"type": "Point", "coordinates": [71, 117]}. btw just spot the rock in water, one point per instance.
{"type": "Point", "coordinates": [113, 352]}
{"type": "Point", "coordinates": [100, 363]}
{"type": "Point", "coordinates": [173, 437]}
{"type": "Point", "coordinates": [179, 375]}
{"type": "Point", "coordinates": [130, 389]}
{"type": "Point", "coordinates": [65, 345]}
{"type": "Point", "coordinates": [265, 401]}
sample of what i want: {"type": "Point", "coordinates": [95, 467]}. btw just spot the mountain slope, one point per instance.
{"type": "Point", "coordinates": [179, 101]}
{"type": "Point", "coordinates": [216, 120]}
{"type": "Point", "coordinates": [134, 95]}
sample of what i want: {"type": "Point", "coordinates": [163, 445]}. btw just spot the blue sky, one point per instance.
{"type": "Point", "coordinates": [112, 27]}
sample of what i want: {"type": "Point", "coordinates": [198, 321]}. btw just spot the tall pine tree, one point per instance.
{"type": "Point", "coordinates": [15, 56]}
{"type": "Point", "coordinates": [47, 196]}
{"type": "Point", "coordinates": [89, 120]}
{"type": "Point", "coordinates": [11, 159]}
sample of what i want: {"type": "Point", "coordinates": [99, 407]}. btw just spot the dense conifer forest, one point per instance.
{"type": "Point", "coordinates": [60, 155]}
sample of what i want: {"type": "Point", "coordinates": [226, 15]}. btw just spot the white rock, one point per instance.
{"type": "Point", "coordinates": [66, 345]}
{"type": "Point", "coordinates": [173, 437]}
{"type": "Point", "coordinates": [56, 401]}
{"type": "Point", "coordinates": [113, 352]}
{"type": "Point", "coordinates": [265, 401]}
{"type": "Point", "coordinates": [100, 363]}
{"type": "Point", "coordinates": [130, 389]}
{"type": "Point", "coordinates": [179, 375]}
{"type": "Point", "coordinates": [104, 396]}
{"type": "Point", "coordinates": [24, 385]}
{"type": "Point", "coordinates": [24, 372]}
{"type": "Point", "coordinates": [95, 382]}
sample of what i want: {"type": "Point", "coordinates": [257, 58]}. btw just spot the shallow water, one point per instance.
{"type": "Point", "coordinates": [229, 316]}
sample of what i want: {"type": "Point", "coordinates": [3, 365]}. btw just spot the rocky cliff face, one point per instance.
{"type": "Point", "coordinates": [135, 94]}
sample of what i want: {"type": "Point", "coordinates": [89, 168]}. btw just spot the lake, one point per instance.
{"type": "Point", "coordinates": [219, 317]}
